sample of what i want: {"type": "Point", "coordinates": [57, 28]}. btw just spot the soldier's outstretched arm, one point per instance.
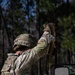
{"type": "Point", "coordinates": [43, 44]}
{"type": "Point", "coordinates": [38, 51]}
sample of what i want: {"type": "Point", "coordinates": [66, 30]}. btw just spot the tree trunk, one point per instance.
{"type": "Point", "coordinates": [5, 27]}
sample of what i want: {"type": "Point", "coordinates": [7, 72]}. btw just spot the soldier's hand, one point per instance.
{"type": "Point", "coordinates": [46, 27]}
{"type": "Point", "coordinates": [50, 28]}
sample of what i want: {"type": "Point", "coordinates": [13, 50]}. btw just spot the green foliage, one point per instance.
{"type": "Point", "coordinates": [46, 5]}
{"type": "Point", "coordinates": [18, 15]}
{"type": "Point", "coordinates": [45, 12]}
{"type": "Point", "coordinates": [67, 26]}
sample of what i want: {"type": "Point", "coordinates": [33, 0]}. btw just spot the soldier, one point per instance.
{"type": "Point", "coordinates": [18, 63]}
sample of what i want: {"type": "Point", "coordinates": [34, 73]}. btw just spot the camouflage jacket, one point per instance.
{"type": "Point", "coordinates": [22, 63]}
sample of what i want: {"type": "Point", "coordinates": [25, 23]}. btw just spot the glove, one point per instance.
{"type": "Point", "coordinates": [46, 28]}
{"type": "Point", "coordinates": [50, 28]}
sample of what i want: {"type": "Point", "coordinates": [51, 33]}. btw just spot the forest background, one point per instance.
{"type": "Point", "coordinates": [21, 16]}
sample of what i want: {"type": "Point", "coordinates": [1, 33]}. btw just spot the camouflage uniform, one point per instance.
{"type": "Point", "coordinates": [19, 65]}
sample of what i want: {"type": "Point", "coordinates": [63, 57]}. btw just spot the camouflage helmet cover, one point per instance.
{"type": "Point", "coordinates": [24, 40]}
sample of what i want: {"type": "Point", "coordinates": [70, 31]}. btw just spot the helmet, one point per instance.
{"type": "Point", "coordinates": [24, 40]}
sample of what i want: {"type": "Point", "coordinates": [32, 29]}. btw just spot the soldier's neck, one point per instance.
{"type": "Point", "coordinates": [19, 52]}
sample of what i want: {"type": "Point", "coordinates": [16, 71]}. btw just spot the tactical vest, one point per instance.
{"type": "Point", "coordinates": [9, 66]}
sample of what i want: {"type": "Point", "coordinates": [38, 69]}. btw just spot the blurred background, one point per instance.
{"type": "Point", "coordinates": [21, 16]}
